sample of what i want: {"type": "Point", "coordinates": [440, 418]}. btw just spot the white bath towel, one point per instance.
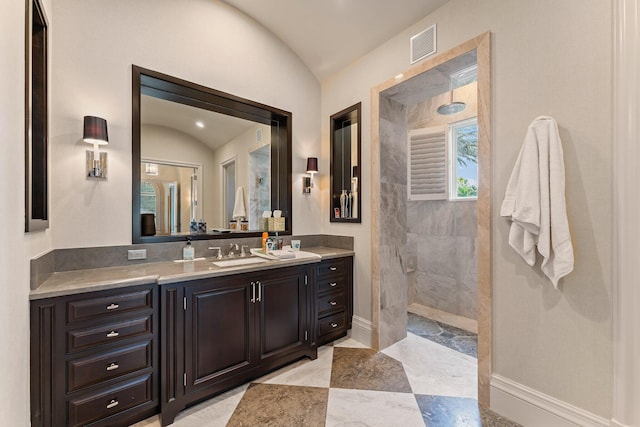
{"type": "Point", "coordinates": [535, 201]}
{"type": "Point", "coordinates": [239, 209]}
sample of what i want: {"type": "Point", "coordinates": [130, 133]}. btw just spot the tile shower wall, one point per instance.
{"type": "Point", "coordinates": [442, 235]}
{"type": "Point", "coordinates": [393, 222]}
{"type": "Point", "coordinates": [442, 242]}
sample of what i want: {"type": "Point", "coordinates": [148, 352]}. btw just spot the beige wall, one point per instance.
{"type": "Point", "coordinates": [557, 342]}
{"type": "Point", "coordinates": [17, 247]}
{"type": "Point", "coordinates": [207, 42]}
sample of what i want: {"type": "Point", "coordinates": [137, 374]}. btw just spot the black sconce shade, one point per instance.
{"type": "Point", "coordinates": [312, 164]}
{"type": "Point", "coordinates": [95, 130]}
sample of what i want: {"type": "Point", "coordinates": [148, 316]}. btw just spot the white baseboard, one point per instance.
{"type": "Point", "coordinates": [362, 331]}
{"type": "Point", "coordinates": [532, 408]}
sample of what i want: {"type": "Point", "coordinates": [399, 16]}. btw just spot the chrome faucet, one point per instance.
{"type": "Point", "coordinates": [234, 249]}
{"type": "Point", "coordinates": [218, 249]}
{"type": "Point", "coordinates": [244, 251]}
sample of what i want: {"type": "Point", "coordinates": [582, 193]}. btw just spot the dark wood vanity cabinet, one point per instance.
{"type": "Point", "coordinates": [118, 356]}
{"type": "Point", "coordinates": [234, 329]}
{"type": "Point", "coordinates": [94, 358]}
{"type": "Point", "coordinates": [334, 299]}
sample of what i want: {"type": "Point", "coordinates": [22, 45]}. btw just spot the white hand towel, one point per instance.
{"type": "Point", "coordinates": [239, 209]}
{"type": "Point", "coordinates": [535, 201]}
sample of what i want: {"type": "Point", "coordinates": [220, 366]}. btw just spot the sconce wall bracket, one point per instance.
{"type": "Point", "coordinates": [96, 168]}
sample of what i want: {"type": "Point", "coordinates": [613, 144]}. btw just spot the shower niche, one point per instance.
{"type": "Point", "coordinates": [345, 184]}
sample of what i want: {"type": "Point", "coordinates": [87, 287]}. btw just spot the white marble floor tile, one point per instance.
{"type": "Point", "coordinates": [372, 408]}
{"type": "Point", "coordinates": [349, 342]}
{"type": "Point", "coordinates": [214, 412]}
{"type": "Point", "coordinates": [435, 369]}
{"type": "Point", "coordinates": [310, 373]}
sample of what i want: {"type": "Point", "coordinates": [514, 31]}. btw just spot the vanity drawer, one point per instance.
{"type": "Point", "coordinates": [96, 368]}
{"type": "Point", "coordinates": [332, 323]}
{"type": "Point", "coordinates": [331, 284]}
{"type": "Point", "coordinates": [109, 401]}
{"type": "Point", "coordinates": [331, 302]}
{"type": "Point", "coordinates": [113, 332]}
{"type": "Point", "coordinates": [92, 308]}
{"type": "Point", "coordinates": [332, 267]}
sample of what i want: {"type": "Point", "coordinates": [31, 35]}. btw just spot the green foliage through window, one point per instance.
{"type": "Point", "coordinates": [464, 174]}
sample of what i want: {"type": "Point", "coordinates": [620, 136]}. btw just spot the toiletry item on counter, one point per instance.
{"type": "Point", "coordinates": [188, 252]}
{"type": "Point", "coordinates": [244, 226]}
{"type": "Point", "coordinates": [193, 226]}
{"type": "Point", "coordinates": [202, 226]}
{"type": "Point", "coordinates": [295, 245]}
{"type": "Point", "coordinates": [265, 236]}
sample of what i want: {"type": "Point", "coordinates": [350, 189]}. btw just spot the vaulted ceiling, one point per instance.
{"type": "Point", "coordinates": [327, 35]}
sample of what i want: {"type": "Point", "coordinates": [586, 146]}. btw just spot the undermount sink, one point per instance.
{"type": "Point", "coordinates": [239, 261]}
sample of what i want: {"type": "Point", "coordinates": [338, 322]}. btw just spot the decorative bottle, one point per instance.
{"type": "Point", "coordinates": [343, 204]}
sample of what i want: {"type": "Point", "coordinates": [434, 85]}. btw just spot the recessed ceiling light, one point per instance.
{"type": "Point", "coordinates": [200, 124]}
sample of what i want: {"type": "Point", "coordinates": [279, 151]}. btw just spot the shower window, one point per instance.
{"type": "Point", "coordinates": [463, 138]}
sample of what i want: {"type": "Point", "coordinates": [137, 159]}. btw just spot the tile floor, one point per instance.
{"type": "Point", "coordinates": [415, 382]}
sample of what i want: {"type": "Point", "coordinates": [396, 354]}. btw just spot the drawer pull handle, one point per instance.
{"type": "Point", "coordinates": [113, 334]}
{"type": "Point", "coordinates": [112, 366]}
{"type": "Point", "coordinates": [333, 268]}
{"type": "Point", "coordinates": [333, 284]}
{"type": "Point", "coordinates": [332, 303]}
{"type": "Point", "coordinates": [113, 306]}
{"type": "Point", "coordinates": [334, 325]}
{"type": "Point", "coordinates": [112, 404]}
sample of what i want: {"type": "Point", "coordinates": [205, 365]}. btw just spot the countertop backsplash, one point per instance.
{"type": "Point", "coordinates": [61, 260]}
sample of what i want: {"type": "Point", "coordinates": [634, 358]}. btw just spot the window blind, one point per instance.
{"type": "Point", "coordinates": [427, 164]}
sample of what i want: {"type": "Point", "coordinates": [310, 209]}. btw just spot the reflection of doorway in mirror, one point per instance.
{"type": "Point", "coordinates": [229, 185]}
{"type": "Point", "coordinates": [259, 184]}
{"type": "Point", "coordinates": [169, 191]}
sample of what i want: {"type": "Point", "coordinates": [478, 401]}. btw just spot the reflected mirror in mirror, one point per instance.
{"type": "Point", "coordinates": [345, 165]}
{"type": "Point", "coordinates": [206, 157]}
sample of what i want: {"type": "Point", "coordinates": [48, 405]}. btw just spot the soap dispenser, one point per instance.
{"type": "Point", "coordinates": [188, 252]}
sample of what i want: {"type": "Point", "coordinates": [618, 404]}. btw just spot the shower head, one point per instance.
{"type": "Point", "coordinates": [451, 107]}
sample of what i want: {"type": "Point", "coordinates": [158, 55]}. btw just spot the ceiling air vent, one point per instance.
{"type": "Point", "coordinates": [423, 44]}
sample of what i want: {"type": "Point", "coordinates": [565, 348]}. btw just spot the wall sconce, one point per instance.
{"type": "Point", "coordinates": [312, 168]}
{"type": "Point", "coordinates": [95, 132]}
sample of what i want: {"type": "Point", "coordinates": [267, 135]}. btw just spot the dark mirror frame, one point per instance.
{"type": "Point", "coordinates": [36, 118]}
{"type": "Point", "coordinates": [170, 88]}
{"type": "Point", "coordinates": [347, 117]}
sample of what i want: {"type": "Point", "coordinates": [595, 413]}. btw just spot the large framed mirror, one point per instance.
{"type": "Point", "coordinates": [346, 205]}
{"type": "Point", "coordinates": [206, 164]}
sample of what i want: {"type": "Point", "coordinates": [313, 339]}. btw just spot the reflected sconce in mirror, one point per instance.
{"type": "Point", "coordinates": [95, 132]}
{"type": "Point", "coordinates": [312, 168]}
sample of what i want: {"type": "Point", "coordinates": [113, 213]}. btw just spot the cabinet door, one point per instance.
{"type": "Point", "coordinates": [282, 296]}
{"type": "Point", "coordinates": [218, 331]}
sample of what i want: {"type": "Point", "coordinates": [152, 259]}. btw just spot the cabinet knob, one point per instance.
{"type": "Point", "coordinates": [332, 303]}
{"type": "Point", "coordinates": [333, 268]}
{"type": "Point", "coordinates": [334, 325]}
{"type": "Point", "coordinates": [113, 334]}
{"type": "Point", "coordinates": [112, 404]}
{"type": "Point", "coordinates": [333, 284]}
{"type": "Point", "coordinates": [113, 306]}
{"type": "Point", "coordinates": [113, 366]}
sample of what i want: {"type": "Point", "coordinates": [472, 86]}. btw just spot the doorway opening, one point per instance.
{"type": "Point", "coordinates": [423, 191]}
{"type": "Point", "coordinates": [229, 186]}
